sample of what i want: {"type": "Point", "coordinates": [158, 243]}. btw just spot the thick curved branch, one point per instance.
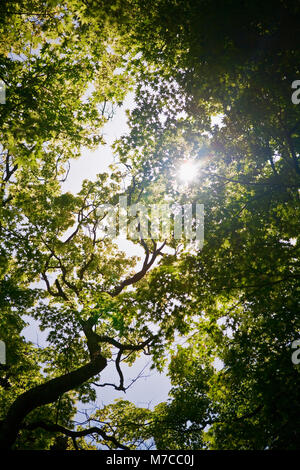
{"type": "Point", "coordinates": [42, 395]}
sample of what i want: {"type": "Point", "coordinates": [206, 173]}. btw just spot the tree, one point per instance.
{"type": "Point", "coordinates": [247, 275]}
{"type": "Point", "coordinates": [45, 123]}
{"type": "Point", "coordinates": [84, 275]}
{"type": "Point", "coordinates": [234, 300]}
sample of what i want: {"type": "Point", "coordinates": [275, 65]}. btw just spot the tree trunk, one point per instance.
{"type": "Point", "coordinates": [44, 394]}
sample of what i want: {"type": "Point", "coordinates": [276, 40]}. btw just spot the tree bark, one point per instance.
{"type": "Point", "coordinates": [44, 394]}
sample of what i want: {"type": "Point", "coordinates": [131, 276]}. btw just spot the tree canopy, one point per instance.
{"type": "Point", "coordinates": [212, 84]}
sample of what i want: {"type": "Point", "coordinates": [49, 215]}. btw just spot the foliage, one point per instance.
{"type": "Point", "coordinates": [234, 303]}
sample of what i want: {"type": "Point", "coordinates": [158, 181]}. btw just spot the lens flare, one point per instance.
{"type": "Point", "coordinates": [187, 171]}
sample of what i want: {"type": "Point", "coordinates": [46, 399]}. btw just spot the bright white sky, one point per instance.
{"type": "Point", "coordinates": [94, 162]}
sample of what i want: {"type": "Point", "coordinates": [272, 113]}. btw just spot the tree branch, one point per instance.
{"type": "Point", "coordinates": [42, 395]}
{"type": "Point", "coordinates": [140, 274]}
{"type": "Point", "coordinates": [51, 427]}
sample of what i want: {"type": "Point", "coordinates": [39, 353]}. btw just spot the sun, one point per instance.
{"type": "Point", "coordinates": [187, 171]}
